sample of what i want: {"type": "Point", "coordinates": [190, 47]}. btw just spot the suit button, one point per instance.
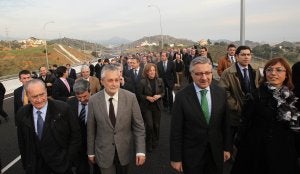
{"type": "Point", "coordinates": [115, 133]}
{"type": "Point", "coordinates": [113, 144]}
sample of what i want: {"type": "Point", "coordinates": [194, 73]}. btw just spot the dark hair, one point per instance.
{"type": "Point", "coordinates": [242, 47]}
{"type": "Point", "coordinates": [60, 71]}
{"type": "Point", "coordinates": [231, 46]}
{"type": "Point", "coordinates": [203, 48]}
{"type": "Point", "coordinates": [99, 60]}
{"type": "Point", "coordinates": [24, 72]}
{"type": "Point", "coordinates": [288, 80]}
{"type": "Point", "coordinates": [136, 58]}
{"type": "Point", "coordinates": [106, 60]}
{"type": "Point", "coordinates": [147, 68]}
{"type": "Point", "coordinates": [296, 74]}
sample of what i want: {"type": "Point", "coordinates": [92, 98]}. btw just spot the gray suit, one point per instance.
{"type": "Point", "coordinates": [103, 138]}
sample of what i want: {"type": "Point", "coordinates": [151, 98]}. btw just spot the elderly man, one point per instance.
{"type": "Point", "coordinates": [200, 133]}
{"type": "Point", "coordinates": [94, 81]}
{"type": "Point", "coordinates": [79, 105]}
{"type": "Point", "coordinates": [48, 79]}
{"type": "Point", "coordinates": [114, 116]}
{"type": "Point", "coordinates": [48, 133]}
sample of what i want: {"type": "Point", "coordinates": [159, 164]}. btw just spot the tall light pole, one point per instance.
{"type": "Point", "coordinates": [46, 50]}
{"type": "Point", "coordinates": [242, 24]}
{"type": "Point", "coordinates": [161, 33]}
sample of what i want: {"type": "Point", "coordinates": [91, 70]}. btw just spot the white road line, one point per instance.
{"type": "Point", "coordinates": [11, 164]}
{"type": "Point", "coordinates": [8, 97]}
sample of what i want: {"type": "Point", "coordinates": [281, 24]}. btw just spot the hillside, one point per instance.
{"type": "Point", "coordinates": [80, 44]}
{"type": "Point", "coordinates": [12, 61]}
{"type": "Point", "coordinates": [157, 39]}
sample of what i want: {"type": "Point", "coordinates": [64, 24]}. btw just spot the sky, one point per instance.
{"type": "Point", "coordinates": [270, 21]}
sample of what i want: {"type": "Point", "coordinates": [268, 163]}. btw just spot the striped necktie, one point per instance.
{"type": "Point", "coordinates": [82, 113]}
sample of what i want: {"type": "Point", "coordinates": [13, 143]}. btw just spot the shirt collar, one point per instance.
{"type": "Point", "coordinates": [108, 96]}
{"type": "Point", "coordinates": [43, 109]}
{"type": "Point", "coordinates": [241, 67]}
{"type": "Point", "coordinates": [200, 89]}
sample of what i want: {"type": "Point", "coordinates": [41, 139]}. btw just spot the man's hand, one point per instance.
{"type": "Point", "coordinates": [156, 97]}
{"type": "Point", "coordinates": [92, 159]}
{"type": "Point", "coordinates": [226, 156]}
{"type": "Point", "coordinates": [177, 166]}
{"type": "Point", "coordinates": [140, 160]}
{"type": "Point", "coordinates": [150, 99]}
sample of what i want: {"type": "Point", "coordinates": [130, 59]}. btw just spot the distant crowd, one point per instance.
{"type": "Point", "coordinates": [84, 122]}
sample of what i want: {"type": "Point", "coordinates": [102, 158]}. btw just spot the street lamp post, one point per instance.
{"type": "Point", "coordinates": [161, 33]}
{"type": "Point", "coordinates": [242, 27]}
{"type": "Point", "coordinates": [46, 50]}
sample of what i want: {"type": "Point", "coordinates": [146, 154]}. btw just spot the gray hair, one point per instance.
{"type": "Point", "coordinates": [32, 82]}
{"type": "Point", "coordinates": [84, 67]}
{"type": "Point", "coordinates": [119, 65]}
{"type": "Point", "coordinates": [108, 67]}
{"type": "Point", "coordinates": [199, 60]}
{"type": "Point", "coordinates": [80, 86]}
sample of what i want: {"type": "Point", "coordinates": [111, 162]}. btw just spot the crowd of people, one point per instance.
{"type": "Point", "coordinates": [85, 123]}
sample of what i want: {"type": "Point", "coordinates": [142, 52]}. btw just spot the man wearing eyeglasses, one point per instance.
{"type": "Point", "coordinates": [239, 81]}
{"type": "Point", "coordinates": [200, 138]}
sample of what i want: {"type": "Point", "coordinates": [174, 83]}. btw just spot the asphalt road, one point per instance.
{"type": "Point", "coordinates": [9, 146]}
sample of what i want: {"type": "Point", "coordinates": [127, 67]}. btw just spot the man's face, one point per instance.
{"type": "Point", "coordinates": [24, 78]}
{"type": "Point", "coordinates": [83, 97]}
{"type": "Point", "coordinates": [203, 52]}
{"type": "Point", "coordinates": [193, 52]}
{"type": "Point", "coordinates": [37, 95]}
{"type": "Point", "coordinates": [163, 56]}
{"type": "Point", "coordinates": [202, 75]}
{"type": "Point", "coordinates": [111, 82]}
{"type": "Point", "coordinates": [135, 64]}
{"type": "Point", "coordinates": [231, 51]}
{"type": "Point", "coordinates": [244, 57]}
{"type": "Point", "coordinates": [85, 73]}
{"type": "Point", "coordinates": [43, 71]}
{"type": "Point", "coordinates": [68, 67]}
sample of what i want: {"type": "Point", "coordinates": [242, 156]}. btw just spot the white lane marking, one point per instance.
{"type": "Point", "coordinates": [11, 164]}
{"type": "Point", "coordinates": [8, 97]}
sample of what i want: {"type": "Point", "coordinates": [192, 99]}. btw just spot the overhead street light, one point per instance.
{"type": "Point", "coordinates": [161, 33]}
{"type": "Point", "coordinates": [46, 50]}
{"type": "Point", "coordinates": [242, 24]}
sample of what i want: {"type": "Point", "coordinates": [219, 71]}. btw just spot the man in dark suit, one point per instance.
{"type": "Point", "coordinates": [92, 69]}
{"type": "Point", "coordinates": [200, 138]}
{"type": "Point", "coordinates": [166, 71]}
{"type": "Point", "coordinates": [48, 79]}
{"type": "Point", "coordinates": [71, 71]}
{"type": "Point", "coordinates": [20, 97]}
{"type": "Point", "coordinates": [48, 133]}
{"type": "Point", "coordinates": [114, 116]}
{"type": "Point", "coordinates": [63, 86]}
{"type": "Point", "coordinates": [2, 94]}
{"type": "Point", "coordinates": [135, 73]}
{"type": "Point", "coordinates": [80, 109]}
{"type": "Point", "coordinates": [98, 68]}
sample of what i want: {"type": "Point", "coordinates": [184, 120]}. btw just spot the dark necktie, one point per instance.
{"type": "Point", "coordinates": [135, 74]}
{"type": "Point", "coordinates": [232, 59]}
{"type": "Point", "coordinates": [112, 116]}
{"type": "Point", "coordinates": [40, 124]}
{"type": "Point", "coordinates": [246, 80]}
{"type": "Point", "coordinates": [82, 113]}
{"type": "Point", "coordinates": [204, 104]}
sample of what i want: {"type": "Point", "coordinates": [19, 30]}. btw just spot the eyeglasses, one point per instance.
{"type": "Point", "coordinates": [278, 70]}
{"type": "Point", "coordinates": [201, 74]}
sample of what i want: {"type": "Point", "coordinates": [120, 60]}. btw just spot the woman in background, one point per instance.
{"type": "Point", "coordinates": [267, 141]}
{"type": "Point", "coordinates": [150, 93]}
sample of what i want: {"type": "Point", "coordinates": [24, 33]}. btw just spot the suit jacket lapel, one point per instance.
{"type": "Point", "coordinates": [48, 118]}
{"type": "Point", "coordinates": [28, 118]}
{"type": "Point", "coordinates": [102, 106]}
{"type": "Point", "coordinates": [214, 102]}
{"type": "Point", "coordinates": [121, 105]}
{"type": "Point", "coordinates": [196, 106]}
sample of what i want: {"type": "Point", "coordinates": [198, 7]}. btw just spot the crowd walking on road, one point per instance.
{"type": "Point", "coordinates": [107, 117]}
